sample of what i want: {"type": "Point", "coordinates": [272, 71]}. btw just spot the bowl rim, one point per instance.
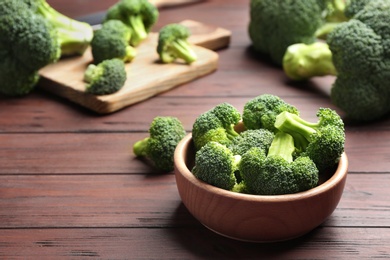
{"type": "Point", "coordinates": [181, 168]}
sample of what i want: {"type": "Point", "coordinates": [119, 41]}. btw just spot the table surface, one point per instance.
{"type": "Point", "coordinates": [70, 186]}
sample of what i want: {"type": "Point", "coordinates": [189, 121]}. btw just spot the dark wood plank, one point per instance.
{"type": "Point", "coordinates": [111, 153]}
{"type": "Point", "coordinates": [150, 201]}
{"type": "Point", "coordinates": [194, 243]}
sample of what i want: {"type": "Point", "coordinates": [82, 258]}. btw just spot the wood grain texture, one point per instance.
{"type": "Point", "coordinates": [146, 75]}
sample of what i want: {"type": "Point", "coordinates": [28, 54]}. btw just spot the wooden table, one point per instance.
{"type": "Point", "coordinates": [70, 186]}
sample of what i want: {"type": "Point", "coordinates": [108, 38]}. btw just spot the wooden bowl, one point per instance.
{"type": "Point", "coordinates": [255, 218]}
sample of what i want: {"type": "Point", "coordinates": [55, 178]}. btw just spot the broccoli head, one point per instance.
{"type": "Point", "coordinates": [112, 41]}
{"type": "Point", "coordinates": [216, 165]}
{"type": "Point", "coordinates": [261, 111]}
{"type": "Point", "coordinates": [276, 24]}
{"type": "Point", "coordinates": [322, 141]}
{"type": "Point", "coordinates": [276, 172]}
{"type": "Point", "coordinates": [159, 147]}
{"type": "Point", "coordinates": [261, 138]}
{"type": "Point", "coordinates": [106, 77]}
{"type": "Point", "coordinates": [28, 43]}
{"type": "Point", "coordinates": [138, 15]}
{"type": "Point", "coordinates": [173, 44]}
{"type": "Point", "coordinates": [216, 125]}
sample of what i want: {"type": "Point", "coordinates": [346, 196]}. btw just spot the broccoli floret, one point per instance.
{"type": "Point", "coordinates": [173, 44]}
{"type": "Point", "coordinates": [322, 141]}
{"type": "Point", "coordinates": [138, 15]}
{"type": "Point", "coordinates": [261, 138]}
{"type": "Point", "coordinates": [261, 111]}
{"type": "Point", "coordinates": [112, 41]}
{"type": "Point", "coordinates": [216, 125]}
{"type": "Point", "coordinates": [28, 42]}
{"type": "Point", "coordinates": [277, 172]}
{"type": "Point", "coordinates": [159, 147]}
{"type": "Point", "coordinates": [276, 24]}
{"type": "Point", "coordinates": [216, 165]}
{"type": "Point", "coordinates": [74, 36]}
{"type": "Point", "coordinates": [106, 77]}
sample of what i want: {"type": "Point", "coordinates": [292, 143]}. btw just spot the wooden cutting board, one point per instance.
{"type": "Point", "coordinates": [146, 76]}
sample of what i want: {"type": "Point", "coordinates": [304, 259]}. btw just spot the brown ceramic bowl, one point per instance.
{"type": "Point", "coordinates": [256, 218]}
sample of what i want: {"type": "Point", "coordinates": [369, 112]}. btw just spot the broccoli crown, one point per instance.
{"type": "Point", "coordinates": [74, 36]}
{"type": "Point", "coordinates": [261, 138]}
{"type": "Point", "coordinates": [216, 165]}
{"type": "Point", "coordinates": [277, 173]}
{"type": "Point", "coordinates": [164, 135]}
{"type": "Point", "coordinates": [276, 24]}
{"type": "Point", "coordinates": [112, 41]}
{"type": "Point", "coordinates": [322, 141]}
{"type": "Point", "coordinates": [28, 43]}
{"type": "Point", "coordinates": [355, 6]}
{"type": "Point", "coordinates": [261, 111]}
{"type": "Point", "coordinates": [216, 125]}
{"type": "Point", "coordinates": [138, 15]}
{"type": "Point", "coordinates": [173, 44]}
{"type": "Point", "coordinates": [105, 78]}
{"type": "Point", "coordinates": [361, 51]}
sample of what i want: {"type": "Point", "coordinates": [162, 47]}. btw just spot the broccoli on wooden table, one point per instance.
{"type": "Point", "coordinates": [107, 77]}
{"type": "Point", "coordinates": [159, 147]}
{"type": "Point", "coordinates": [138, 15]}
{"type": "Point", "coordinates": [112, 41]}
{"type": "Point", "coordinates": [173, 44]}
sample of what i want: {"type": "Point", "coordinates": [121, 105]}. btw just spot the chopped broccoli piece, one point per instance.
{"type": "Point", "coordinates": [138, 15]}
{"type": "Point", "coordinates": [322, 141]}
{"type": "Point", "coordinates": [261, 111]}
{"type": "Point", "coordinates": [216, 165]}
{"type": "Point", "coordinates": [173, 44]}
{"type": "Point", "coordinates": [28, 42]}
{"type": "Point", "coordinates": [106, 77]}
{"type": "Point", "coordinates": [277, 173]}
{"type": "Point", "coordinates": [112, 41]}
{"type": "Point", "coordinates": [261, 138]}
{"type": "Point", "coordinates": [216, 125]}
{"type": "Point", "coordinates": [276, 24]}
{"type": "Point", "coordinates": [159, 147]}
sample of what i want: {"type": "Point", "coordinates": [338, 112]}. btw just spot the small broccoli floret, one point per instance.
{"type": "Point", "coordinates": [74, 36]}
{"type": "Point", "coordinates": [173, 44]}
{"type": "Point", "coordinates": [260, 138]}
{"type": "Point", "coordinates": [322, 141]}
{"type": "Point", "coordinates": [138, 15]}
{"type": "Point", "coordinates": [28, 42]}
{"type": "Point", "coordinates": [302, 61]}
{"type": "Point", "coordinates": [216, 125]}
{"type": "Point", "coordinates": [159, 147]}
{"type": "Point", "coordinates": [261, 111]}
{"type": "Point", "coordinates": [216, 165]}
{"type": "Point", "coordinates": [112, 41]}
{"type": "Point", "coordinates": [277, 173]}
{"type": "Point", "coordinates": [276, 24]}
{"type": "Point", "coordinates": [106, 77]}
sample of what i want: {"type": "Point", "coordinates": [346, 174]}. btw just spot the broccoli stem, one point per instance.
{"type": "Point", "coordinates": [138, 30]}
{"type": "Point", "coordinates": [183, 50]}
{"type": "Point", "coordinates": [92, 72]}
{"type": "Point", "coordinates": [231, 133]}
{"type": "Point", "coordinates": [283, 146]}
{"type": "Point", "coordinates": [74, 36]}
{"type": "Point", "coordinates": [302, 61]}
{"type": "Point", "coordinates": [139, 148]}
{"type": "Point", "coordinates": [298, 128]}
